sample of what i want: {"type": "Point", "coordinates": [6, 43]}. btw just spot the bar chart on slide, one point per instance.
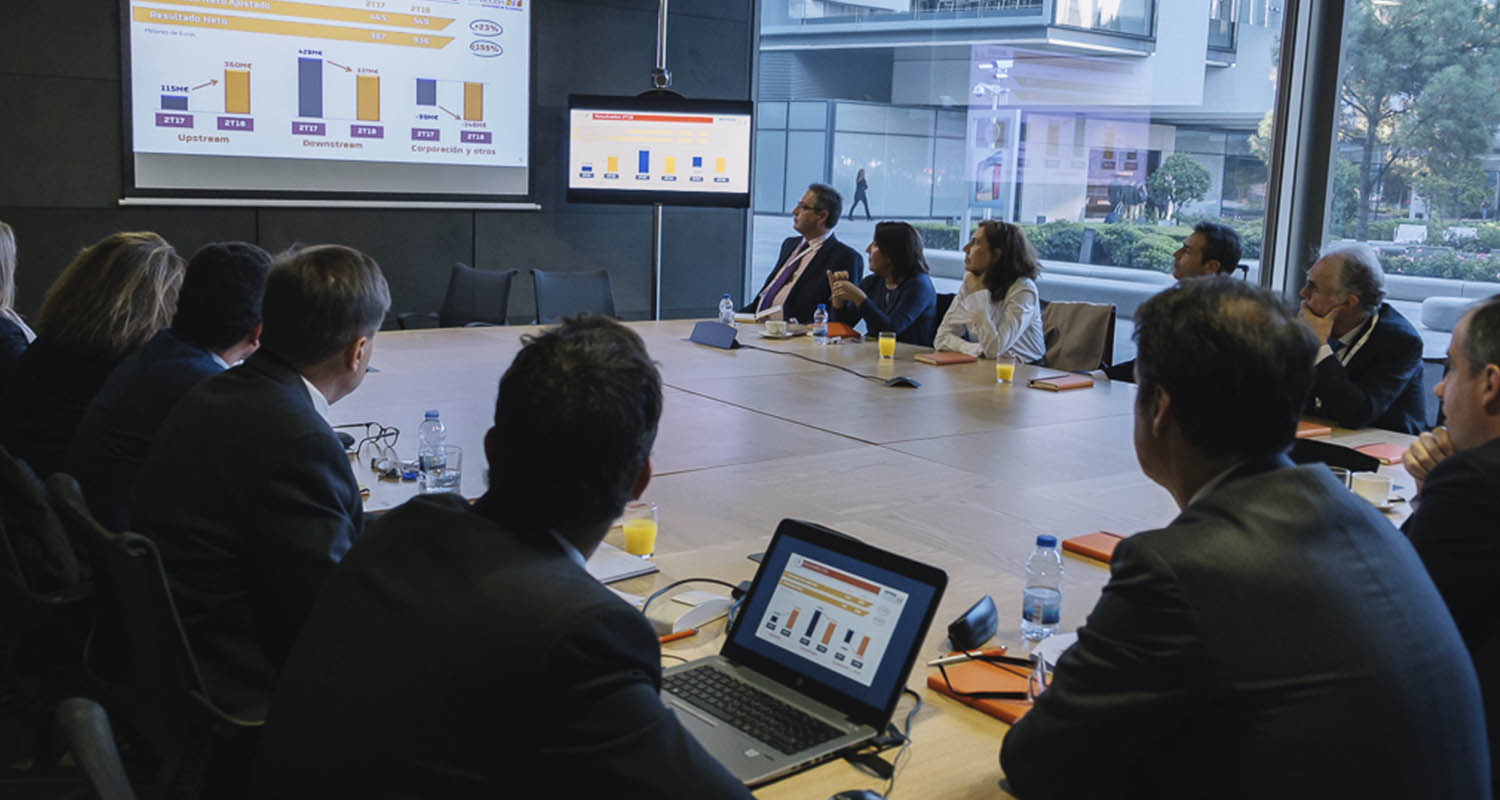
{"type": "Point", "coordinates": [664, 151]}
{"type": "Point", "coordinates": [400, 80]}
{"type": "Point", "coordinates": [831, 617]}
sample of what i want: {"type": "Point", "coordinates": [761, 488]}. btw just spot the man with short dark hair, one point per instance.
{"type": "Point", "coordinates": [1278, 638]}
{"type": "Point", "coordinates": [247, 491]}
{"type": "Point", "coordinates": [465, 651]}
{"type": "Point", "coordinates": [1369, 367]}
{"type": "Point", "coordinates": [217, 324]}
{"type": "Point", "coordinates": [1213, 248]}
{"type": "Point", "coordinates": [799, 283]}
{"type": "Point", "coordinates": [1456, 525]}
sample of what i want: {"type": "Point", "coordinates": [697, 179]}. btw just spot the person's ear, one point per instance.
{"type": "Point", "coordinates": [253, 337]}
{"type": "Point", "coordinates": [354, 354]}
{"type": "Point", "coordinates": [1211, 267]}
{"type": "Point", "coordinates": [642, 480]}
{"type": "Point", "coordinates": [492, 453]}
{"type": "Point", "coordinates": [1489, 383]}
{"type": "Point", "coordinates": [1160, 414]}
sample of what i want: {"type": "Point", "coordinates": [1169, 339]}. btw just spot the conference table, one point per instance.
{"type": "Point", "coordinates": [962, 473]}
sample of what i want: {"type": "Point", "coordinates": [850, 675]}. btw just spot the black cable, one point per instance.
{"type": "Point", "coordinates": [674, 584]}
{"type": "Point", "coordinates": [813, 360]}
{"type": "Point", "coordinates": [905, 734]}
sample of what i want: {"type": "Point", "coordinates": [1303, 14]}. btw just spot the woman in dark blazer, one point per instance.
{"type": "Point", "coordinates": [897, 295]}
{"type": "Point", "coordinates": [115, 295]}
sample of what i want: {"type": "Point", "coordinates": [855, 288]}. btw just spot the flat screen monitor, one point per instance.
{"type": "Point", "coordinates": [659, 148]}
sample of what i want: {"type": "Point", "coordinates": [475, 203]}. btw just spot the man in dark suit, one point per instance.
{"type": "Point", "coordinates": [1279, 638]}
{"type": "Point", "coordinates": [1369, 367]}
{"type": "Point", "coordinates": [217, 323]}
{"type": "Point", "coordinates": [466, 652]}
{"type": "Point", "coordinates": [1456, 524]}
{"type": "Point", "coordinates": [800, 281]}
{"type": "Point", "coordinates": [247, 491]}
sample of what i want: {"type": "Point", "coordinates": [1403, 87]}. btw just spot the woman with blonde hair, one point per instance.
{"type": "Point", "coordinates": [15, 336]}
{"type": "Point", "coordinates": [115, 295]}
{"type": "Point", "coordinates": [997, 312]}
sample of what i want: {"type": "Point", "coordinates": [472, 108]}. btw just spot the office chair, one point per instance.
{"type": "Point", "coordinates": [82, 725]}
{"type": "Point", "coordinates": [559, 294]}
{"type": "Point", "coordinates": [944, 302]}
{"type": "Point", "coordinates": [1079, 336]}
{"type": "Point", "coordinates": [475, 297]}
{"type": "Point", "coordinates": [158, 692]}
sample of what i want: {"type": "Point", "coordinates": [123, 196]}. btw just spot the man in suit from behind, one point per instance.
{"type": "Point", "coordinates": [1456, 524]}
{"type": "Point", "coordinates": [217, 323]}
{"type": "Point", "coordinates": [800, 280]}
{"type": "Point", "coordinates": [1279, 638]}
{"type": "Point", "coordinates": [247, 491]}
{"type": "Point", "coordinates": [1369, 362]}
{"type": "Point", "coordinates": [465, 651]}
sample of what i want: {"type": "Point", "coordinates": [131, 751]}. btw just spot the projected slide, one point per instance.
{"type": "Point", "coordinates": [659, 151]}
{"type": "Point", "coordinates": [407, 81]}
{"type": "Point", "coordinates": [832, 618]}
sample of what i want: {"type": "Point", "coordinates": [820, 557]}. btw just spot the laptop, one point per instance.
{"type": "Point", "coordinates": [816, 658]}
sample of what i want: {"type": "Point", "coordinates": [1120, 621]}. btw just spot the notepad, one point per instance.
{"type": "Point", "coordinates": [1306, 429]}
{"type": "Point", "coordinates": [610, 564]}
{"type": "Point", "coordinates": [1061, 382]}
{"type": "Point", "coordinates": [1384, 452]}
{"type": "Point", "coordinates": [982, 676]}
{"type": "Point", "coordinates": [943, 358]}
{"type": "Point", "coordinates": [1099, 545]}
{"type": "Point", "coordinates": [841, 330]}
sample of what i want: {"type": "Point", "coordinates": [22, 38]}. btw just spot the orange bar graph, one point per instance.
{"type": "Point", "coordinates": [792, 620]}
{"type": "Point", "coordinates": [236, 91]}
{"type": "Point", "coordinates": [671, 165]}
{"type": "Point", "coordinates": [828, 634]}
{"type": "Point", "coordinates": [367, 98]}
{"type": "Point", "coordinates": [718, 165]}
{"type": "Point", "coordinates": [613, 165]}
{"type": "Point", "coordinates": [474, 101]}
{"type": "Point", "coordinates": [863, 643]}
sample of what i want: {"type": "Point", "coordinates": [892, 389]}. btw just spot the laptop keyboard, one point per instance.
{"type": "Point", "coordinates": [749, 709]}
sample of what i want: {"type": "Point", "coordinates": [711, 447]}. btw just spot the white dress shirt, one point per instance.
{"type": "Point", "coordinates": [798, 264]}
{"type": "Point", "coordinates": [1010, 327]}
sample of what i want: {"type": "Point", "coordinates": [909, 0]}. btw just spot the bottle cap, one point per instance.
{"type": "Point", "coordinates": [725, 297]}
{"type": "Point", "coordinates": [1046, 540]}
{"type": "Point", "coordinates": [822, 306]}
{"type": "Point", "coordinates": [431, 413]}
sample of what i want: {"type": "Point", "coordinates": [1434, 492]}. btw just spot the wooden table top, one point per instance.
{"type": "Point", "coordinates": [962, 473]}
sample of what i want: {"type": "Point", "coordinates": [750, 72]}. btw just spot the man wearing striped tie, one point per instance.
{"type": "Point", "coordinates": [800, 281]}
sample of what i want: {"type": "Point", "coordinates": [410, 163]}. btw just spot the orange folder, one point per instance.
{"type": "Point", "coordinates": [1099, 545]}
{"type": "Point", "coordinates": [1384, 452]}
{"type": "Point", "coordinates": [942, 358]}
{"type": "Point", "coordinates": [981, 676]}
{"type": "Point", "coordinates": [1061, 382]}
{"type": "Point", "coordinates": [1306, 429]}
{"type": "Point", "coordinates": [841, 330]}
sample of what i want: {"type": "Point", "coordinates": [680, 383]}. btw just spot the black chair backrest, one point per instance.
{"type": "Point", "coordinates": [944, 301]}
{"type": "Point", "coordinates": [476, 295]}
{"type": "Point", "coordinates": [84, 726]}
{"type": "Point", "coordinates": [38, 559]}
{"type": "Point", "coordinates": [559, 294]}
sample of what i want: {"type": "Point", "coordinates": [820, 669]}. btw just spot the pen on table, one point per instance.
{"type": "Point", "coordinates": [672, 637]}
{"type": "Point", "coordinates": [968, 655]}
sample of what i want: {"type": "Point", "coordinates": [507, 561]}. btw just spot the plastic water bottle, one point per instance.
{"type": "Point", "coordinates": [431, 436]}
{"type": "Point", "coordinates": [1041, 602]}
{"type": "Point", "coordinates": [726, 310]}
{"type": "Point", "coordinates": [820, 323]}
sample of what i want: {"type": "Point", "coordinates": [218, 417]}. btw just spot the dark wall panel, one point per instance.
{"type": "Point", "coordinates": [61, 38]}
{"type": "Point", "coordinates": [570, 241]}
{"type": "Point", "coordinates": [61, 141]}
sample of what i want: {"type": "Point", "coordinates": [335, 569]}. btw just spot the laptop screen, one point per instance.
{"type": "Point", "coordinates": [832, 617]}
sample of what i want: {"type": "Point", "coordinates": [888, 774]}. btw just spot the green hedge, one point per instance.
{"type": "Point", "coordinates": [1444, 263]}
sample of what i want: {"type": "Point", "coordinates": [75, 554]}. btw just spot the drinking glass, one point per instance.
{"type": "Point", "coordinates": [640, 528]}
{"type": "Point", "coordinates": [887, 344]}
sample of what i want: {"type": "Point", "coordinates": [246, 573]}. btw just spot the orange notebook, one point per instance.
{"type": "Point", "coordinates": [1384, 452]}
{"type": "Point", "coordinates": [1099, 545]}
{"type": "Point", "coordinates": [841, 330]}
{"type": "Point", "coordinates": [981, 676]}
{"type": "Point", "coordinates": [1061, 382]}
{"type": "Point", "coordinates": [1306, 429]}
{"type": "Point", "coordinates": [942, 358]}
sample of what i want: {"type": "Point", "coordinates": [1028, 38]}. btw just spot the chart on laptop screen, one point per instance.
{"type": "Point", "coordinates": [831, 617]}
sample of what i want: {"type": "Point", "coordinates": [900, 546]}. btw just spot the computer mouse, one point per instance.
{"type": "Point", "coordinates": [858, 794]}
{"type": "Point", "coordinates": [903, 381]}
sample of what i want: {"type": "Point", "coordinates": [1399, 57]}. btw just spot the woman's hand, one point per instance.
{"type": "Point", "coordinates": [847, 292]}
{"type": "Point", "coordinates": [973, 282]}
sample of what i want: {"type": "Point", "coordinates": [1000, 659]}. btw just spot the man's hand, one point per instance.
{"type": "Point", "coordinates": [844, 291]}
{"type": "Point", "coordinates": [1425, 452]}
{"type": "Point", "coordinates": [1321, 326]}
{"type": "Point", "coordinates": [972, 282]}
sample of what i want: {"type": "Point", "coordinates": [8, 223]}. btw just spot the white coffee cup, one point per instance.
{"type": "Point", "coordinates": [776, 327]}
{"type": "Point", "coordinates": [1372, 486]}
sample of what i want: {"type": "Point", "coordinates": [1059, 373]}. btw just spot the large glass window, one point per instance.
{"type": "Point", "coordinates": [1106, 128]}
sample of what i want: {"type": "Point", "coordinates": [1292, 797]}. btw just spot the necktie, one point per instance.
{"type": "Point", "coordinates": [786, 273]}
{"type": "Point", "coordinates": [1336, 344]}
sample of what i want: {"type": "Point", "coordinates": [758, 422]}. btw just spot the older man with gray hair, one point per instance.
{"type": "Point", "coordinates": [1369, 365]}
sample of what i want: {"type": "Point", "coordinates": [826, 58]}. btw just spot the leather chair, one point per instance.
{"type": "Point", "coordinates": [1079, 336]}
{"type": "Point", "coordinates": [560, 294]}
{"type": "Point", "coordinates": [475, 297]}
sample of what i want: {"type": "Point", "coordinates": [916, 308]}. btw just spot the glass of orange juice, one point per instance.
{"type": "Point", "coordinates": [640, 528]}
{"type": "Point", "coordinates": [887, 344]}
{"type": "Point", "coordinates": [1005, 370]}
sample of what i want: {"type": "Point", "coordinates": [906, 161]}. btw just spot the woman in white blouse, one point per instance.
{"type": "Point", "coordinates": [997, 313]}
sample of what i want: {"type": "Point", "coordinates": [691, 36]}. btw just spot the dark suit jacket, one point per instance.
{"type": "Point", "coordinates": [116, 432]}
{"type": "Point", "coordinates": [1456, 530]}
{"type": "Point", "coordinates": [12, 344]}
{"type": "Point", "coordinates": [251, 500]}
{"type": "Point", "coordinates": [449, 657]}
{"type": "Point", "coordinates": [1278, 639]}
{"type": "Point", "coordinates": [45, 398]}
{"type": "Point", "coordinates": [1382, 385]}
{"type": "Point", "coordinates": [811, 287]}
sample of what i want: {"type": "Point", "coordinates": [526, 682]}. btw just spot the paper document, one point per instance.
{"type": "Point", "coordinates": [610, 564]}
